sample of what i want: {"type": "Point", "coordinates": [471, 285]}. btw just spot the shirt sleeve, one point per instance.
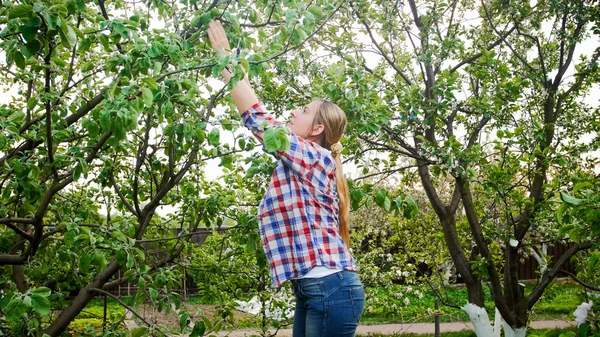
{"type": "Point", "coordinates": [302, 154]}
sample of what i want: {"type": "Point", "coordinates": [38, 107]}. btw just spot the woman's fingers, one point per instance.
{"type": "Point", "coordinates": [217, 36]}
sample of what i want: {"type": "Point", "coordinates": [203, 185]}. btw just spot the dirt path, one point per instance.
{"type": "Point", "coordinates": [399, 329]}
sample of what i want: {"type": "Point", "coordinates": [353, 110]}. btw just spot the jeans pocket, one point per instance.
{"type": "Point", "coordinates": [357, 296]}
{"type": "Point", "coordinates": [312, 289]}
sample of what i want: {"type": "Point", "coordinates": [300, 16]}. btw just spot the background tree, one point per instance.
{"type": "Point", "coordinates": [490, 95]}
{"type": "Point", "coordinates": [111, 116]}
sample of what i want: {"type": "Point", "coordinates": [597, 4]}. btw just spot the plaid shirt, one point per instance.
{"type": "Point", "coordinates": [298, 216]}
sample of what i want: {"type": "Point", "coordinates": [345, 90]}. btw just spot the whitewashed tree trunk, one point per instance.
{"type": "Point", "coordinates": [509, 331]}
{"type": "Point", "coordinates": [483, 327]}
{"type": "Point", "coordinates": [497, 323]}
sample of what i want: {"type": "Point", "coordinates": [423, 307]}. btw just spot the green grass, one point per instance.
{"type": "Point", "coordinates": [93, 314]}
{"type": "Point", "coordinates": [558, 302]}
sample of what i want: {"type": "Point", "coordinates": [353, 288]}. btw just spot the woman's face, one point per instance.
{"type": "Point", "coordinates": [301, 122]}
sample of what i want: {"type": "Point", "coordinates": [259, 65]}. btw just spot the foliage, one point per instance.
{"type": "Point", "coordinates": [579, 215]}
{"type": "Point", "coordinates": [474, 102]}
{"type": "Point", "coordinates": [110, 118]}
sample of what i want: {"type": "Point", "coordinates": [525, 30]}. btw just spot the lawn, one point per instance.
{"type": "Point", "coordinates": [559, 302]}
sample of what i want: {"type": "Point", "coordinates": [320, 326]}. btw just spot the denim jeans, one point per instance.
{"type": "Point", "coordinates": [329, 306]}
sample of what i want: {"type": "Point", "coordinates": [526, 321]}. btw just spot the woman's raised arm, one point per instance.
{"type": "Point", "coordinates": [242, 94]}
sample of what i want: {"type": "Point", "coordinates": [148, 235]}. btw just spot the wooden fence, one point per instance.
{"type": "Point", "coordinates": [527, 271]}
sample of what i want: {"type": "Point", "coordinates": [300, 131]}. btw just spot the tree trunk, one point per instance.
{"type": "Point", "coordinates": [17, 274]}
{"type": "Point", "coordinates": [80, 302]}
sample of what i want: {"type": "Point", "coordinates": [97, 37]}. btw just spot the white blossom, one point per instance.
{"type": "Point", "coordinates": [513, 242]}
{"type": "Point", "coordinates": [581, 312]}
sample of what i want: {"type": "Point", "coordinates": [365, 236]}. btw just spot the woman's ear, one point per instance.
{"type": "Point", "coordinates": [317, 130]}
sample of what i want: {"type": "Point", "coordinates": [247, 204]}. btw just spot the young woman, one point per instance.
{"type": "Point", "coordinates": [303, 217]}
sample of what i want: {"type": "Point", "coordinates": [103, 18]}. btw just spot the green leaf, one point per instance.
{"type": "Point", "coordinates": [28, 32]}
{"type": "Point", "coordinates": [121, 256]}
{"type": "Point", "coordinates": [67, 35]}
{"type": "Point", "coordinates": [69, 238]}
{"type": "Point", "coordinates": [205, 19]}
{"type": "Point", "coordinates": [199, 329]}
{"type": "Point", "coordinates": [130, 261]}
{"type": "Point", "coordinates": [387, 204]}
{"type": "Point", "coordinates": [31, 103]}
{"type": "Point", "coordinates": [356, 197]}
{"type": "Point", "coordinates": [593, 259]}
{"type": "Point", "coordinates": [583, 329]}
{"type": "Point", "coordinates": [147, 96]}
{"type": "Point", "coordinates": [87, 66]}
{"type": "Point", "coordinates": [3, 142]}
{"type": "Point", "coordinates": [276, 139]}
{"type": "Point", "coordinates": [150, 82]}
{"type": "Point", "coordinates": [84, 263]}
{"type": "Point", "coordinates": [214, 137]}
{"type": "Point", "coordinates": [581, 185]}
{"type": "Point", "coordinates": [153, 293]}
{"type": "Point", "coordinates": [380, 197]}
{"type": "Point", "coordinates": [19, 11]}
{"type": "Point", "coordinates": [15, 310]}
{"type": "Point", "coordinates": [42, 291]}
{"type": "Point", "coordinates": [183, 320]}
{"type": "Point", "coordinates": [17, 117]}
{"type": "Point", "coordinates": [560, 212]}
{"type": "Point", "coordinates": [316, 11]}
{"type": "Point", "coordinates": [77, 172]}
{"type": "Point", "coordinates": [564, 229]}
{"type": "Point", "coordinates": [574, 235]}
{"type": "Point", "coordinates": [570, 200]}
{"type": "Point", "coordinates": [40, 304]}
{"type": "Point", "coordinates": [19, 59]}
{"type": "Point", "coordinates": [410, 209]}
{"type": "Point", "coordinates": [139, 332]}
{"type": "Point", "coordinates": [215, 12]}
{"type": "Point", "coordinates": [104, 42]}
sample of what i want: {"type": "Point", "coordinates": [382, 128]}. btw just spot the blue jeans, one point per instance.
{"type": "Point", "coordinates": [329, 306]}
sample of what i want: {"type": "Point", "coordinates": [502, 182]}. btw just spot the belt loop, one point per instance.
{"type": "Point", "coordinates": [340, 275]}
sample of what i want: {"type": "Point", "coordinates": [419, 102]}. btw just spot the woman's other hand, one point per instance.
{"type": "Point", "coordinates": [218, 38]}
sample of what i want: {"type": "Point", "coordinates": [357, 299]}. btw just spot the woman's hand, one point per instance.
{"type": "Point", "coordinates": [218, 38]}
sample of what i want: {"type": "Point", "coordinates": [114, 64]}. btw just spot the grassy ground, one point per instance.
{"type": "Point", "coordinates": [559, 302]}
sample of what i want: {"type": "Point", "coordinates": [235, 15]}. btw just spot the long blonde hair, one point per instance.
{"type": "Point", "coordinates": [333, 120]}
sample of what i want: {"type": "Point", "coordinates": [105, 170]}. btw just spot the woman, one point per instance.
{"type": "Point", "coordinates": [303, 217]}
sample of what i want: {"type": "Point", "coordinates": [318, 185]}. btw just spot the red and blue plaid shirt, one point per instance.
{"type": "Point", "coordinates": [298, 216]}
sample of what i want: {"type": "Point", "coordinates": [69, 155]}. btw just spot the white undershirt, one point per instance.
{"type": "Point", "coordinates": [320, 271]}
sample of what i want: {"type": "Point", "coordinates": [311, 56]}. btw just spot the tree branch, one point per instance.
{"type": "Point", "coordinates": [482, 246]}
{"type": "Point", "coordinates": [8, 223]}
{"type": "Point", "coordinates": [9, 259]}
{"type": "Point", "coordinates": [521, 58]}
{"type": "Point", "coordinates": [49, 136]}
{"type": "Point", "coordinates": [550, 275]}
{"type": "Point", "coordinates": [383, 53]}
{"type": "Point", "coordinates": [111, 177]}
{"type": "Point", "coordinates": [584, 284]}
{"type": "Point", "coordinates": [478, 55]}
